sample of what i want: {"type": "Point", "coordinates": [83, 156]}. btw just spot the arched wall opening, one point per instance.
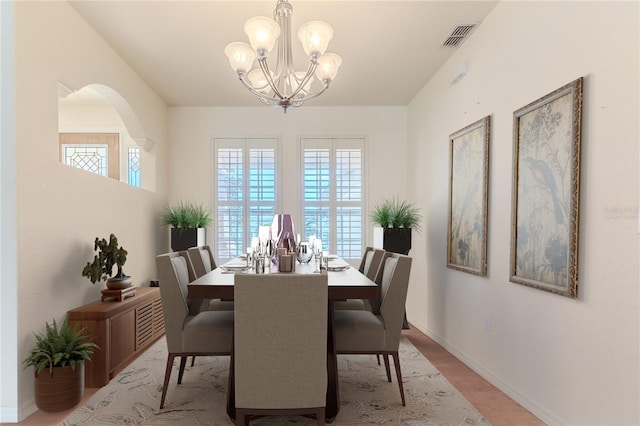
{"type": "Point", "coordinates": [99, 132]}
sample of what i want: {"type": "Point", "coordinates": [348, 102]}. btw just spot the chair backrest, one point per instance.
{"type": "Point", "coordinates": [372, 263]}
{"type": "Point", "coordinates": [174, 273]}
{"type": "Point", "coordinates": [393, 295]}
{"type": "Point", "coordinates": [366, 258]}
{"type": "Point", "coordinates": [280, 340]}
{"type": "Point", "coordinates": [202, 260]}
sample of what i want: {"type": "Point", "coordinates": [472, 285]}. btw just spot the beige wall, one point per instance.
{"type": "Point", "coordinates": [62, 209]}
{"type": "Point", "coordinates": [569, 361]}
{"type": "Point", "coordinates": [191, 146]}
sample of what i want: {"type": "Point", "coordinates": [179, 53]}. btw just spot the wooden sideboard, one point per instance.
{"type": "Point", "coordinates": [122, 330]}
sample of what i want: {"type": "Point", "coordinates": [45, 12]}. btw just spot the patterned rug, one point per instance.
{"type": "Point", "coordinates": [366, 398]}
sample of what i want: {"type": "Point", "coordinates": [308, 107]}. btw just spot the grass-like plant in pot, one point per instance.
{"type": "Point", "coordinates": [396, 214]}
{"type": "Point", "coordinates": [382, 213]}
{"type": "Point", "coordinates": [406, 215]}
{"type": "Point", "coordinates": [58, 360]}
{"type": "Point", "coordinates": [396, 219]}
{"type": "Point", "coordinates": [187, 215]}
{"type": "Point", "coordinates": [108, 256]}
{"type": "Point", "coordinates": [188, 221]}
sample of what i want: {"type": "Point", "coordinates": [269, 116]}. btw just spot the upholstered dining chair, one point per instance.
{"type": "Point", "coordinates": [366, 257]}
{"type": "Point", "coordinates": [368, 332]}
{"type": "Point", "coordinates": [202, 260]}
{"type": "Point", "coordinates": [189, 331]}
{"type": "Point", "coordinates": [369, 266]}
{"type": "Point", "coordinates": [280, 345]}
{"type": "Point", "coordinates": [203, 263]}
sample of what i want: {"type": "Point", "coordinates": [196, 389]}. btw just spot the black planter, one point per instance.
{"type": "Point", "coordinates": [185, 238]}
{"type": "Point", "coordinates": [397, 240]}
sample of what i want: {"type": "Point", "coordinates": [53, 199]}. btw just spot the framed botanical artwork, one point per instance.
{"type": "Point", "coordinates": [546, 189]}
{"type": "Point", "coordinates": [468, 198]}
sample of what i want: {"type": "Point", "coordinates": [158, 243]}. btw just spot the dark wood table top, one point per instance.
{"type": "Point", "coordinates": [347, 284]}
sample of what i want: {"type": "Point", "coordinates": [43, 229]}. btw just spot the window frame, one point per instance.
{"type": "Point", "coordinates": [112, 141]}
{"type": "Point", "coordinates": [127, 165]}
{"type": "Point", "coordinates": [333, 143]}
{"type": "Point", "coordinates": [246, 143]}
{"type": "Point", "coordinates": [118, 158]}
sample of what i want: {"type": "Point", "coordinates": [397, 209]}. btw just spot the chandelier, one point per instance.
{"type": "Point", "coordinates": [283, 87]}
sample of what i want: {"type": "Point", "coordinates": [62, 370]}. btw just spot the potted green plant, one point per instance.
{"type": "Point", "coordinates": [109, 255]}
{"type": "Point", "coordinates": [188, 221]}
{"type": "Point", "coordinates": [58, 360]}
{"type": "Point", "coordinates": [395, 220]}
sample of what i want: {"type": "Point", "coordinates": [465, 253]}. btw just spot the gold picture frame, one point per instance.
{"type": "Point", "coordinates": [546, 189]}
{"type": "Point", "coordinates": [468, 198]}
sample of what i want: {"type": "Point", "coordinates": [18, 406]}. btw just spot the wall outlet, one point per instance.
{"type": "Point", "coordinates": [486, 322]}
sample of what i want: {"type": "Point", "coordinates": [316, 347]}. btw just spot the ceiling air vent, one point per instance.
{"type": "Point", "coordinates": [458, 34]}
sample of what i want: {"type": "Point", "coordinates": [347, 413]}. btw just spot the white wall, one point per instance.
{"type": "Point", "coordinates": [569, 361]}
{"type": "Point", "coordinates": [192, 131]}
{"type": "Point", "coordinates": [62, 209]}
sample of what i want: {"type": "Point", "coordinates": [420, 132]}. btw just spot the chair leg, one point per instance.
{"type": "Point", "coordinates": [320, 416]}
{"type": "Point", "coordinates": [396, 361]}
{"type": "Point", "coordinates": [167, 376]}
{"type": "Point", "coordinates": [183, 362]}
{"type": "Point", "coordinates": [385, 358]}
{"type": "Point", "coordinates": [242, 418]}
{"type": "Point", "coordinates": [378, 358]}
{"type": "Point", "coordinates": [193, 361]}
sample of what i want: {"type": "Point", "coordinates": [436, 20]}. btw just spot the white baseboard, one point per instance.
{"type": "Point", "coordinates": [510, 391]}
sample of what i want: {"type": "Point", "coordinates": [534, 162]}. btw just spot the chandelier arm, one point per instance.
{"type": "Point", "coordinates": [313, 95]}
{"type": "Point", "coordinates": [312, 68]}
{"type": "Point", "coordinates": [264, 66]}
{"type": "Point", "coordinates": [258, 94]}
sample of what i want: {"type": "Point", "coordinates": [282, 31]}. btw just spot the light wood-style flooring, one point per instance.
{"type": "Point", "coordinates": [495, 406]}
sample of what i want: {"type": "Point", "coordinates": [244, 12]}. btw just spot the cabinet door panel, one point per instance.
{"type": "Point", "coordinates": [122, 338]}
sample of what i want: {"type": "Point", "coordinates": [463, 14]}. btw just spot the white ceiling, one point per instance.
{"type": "Point", "coordinates": [389, 49]}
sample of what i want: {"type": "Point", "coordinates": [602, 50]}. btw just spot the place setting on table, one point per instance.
{"type": "Point", "coordinates": [266, 255]}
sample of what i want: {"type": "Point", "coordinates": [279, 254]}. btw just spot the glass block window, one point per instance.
{"type": "Point", "coordinates": [133, 165]}
{"type": "Point", "coordinates": [246, 191]}
{"type": "Point", "coordinates": [333, 200]}
{"type": "Point", "coordinates": [92, 158]}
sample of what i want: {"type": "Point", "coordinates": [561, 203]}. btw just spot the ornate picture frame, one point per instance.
{"type": "Point", "coordinates": [546, 189]}
{"type": "Point", "coordinates": [468, 198]}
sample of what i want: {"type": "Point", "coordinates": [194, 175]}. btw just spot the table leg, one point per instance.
{"type": "Point", "coordinates": [231, 390]}
{"type": "Point", "coordinates": [333, 394]}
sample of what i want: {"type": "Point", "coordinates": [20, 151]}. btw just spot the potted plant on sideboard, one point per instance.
{"type": "Point", "coordinates": [58, 360]}
{"type": "Point", "coordinates": [395, 221]}
{"type": "Point", "coordinates": [188, 221]}
{"type": "Point", "coordinates": [109, 255]}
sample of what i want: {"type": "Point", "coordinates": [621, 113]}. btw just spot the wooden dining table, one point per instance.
{"type": "Point", "coordinates": [342, 284]}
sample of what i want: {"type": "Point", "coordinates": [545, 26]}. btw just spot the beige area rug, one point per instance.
{"type": "Point", "coordinates": [366, 398]}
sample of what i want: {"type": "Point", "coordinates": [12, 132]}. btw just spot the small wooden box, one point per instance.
{"type": "Point", "coordinates": [119, 294]}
